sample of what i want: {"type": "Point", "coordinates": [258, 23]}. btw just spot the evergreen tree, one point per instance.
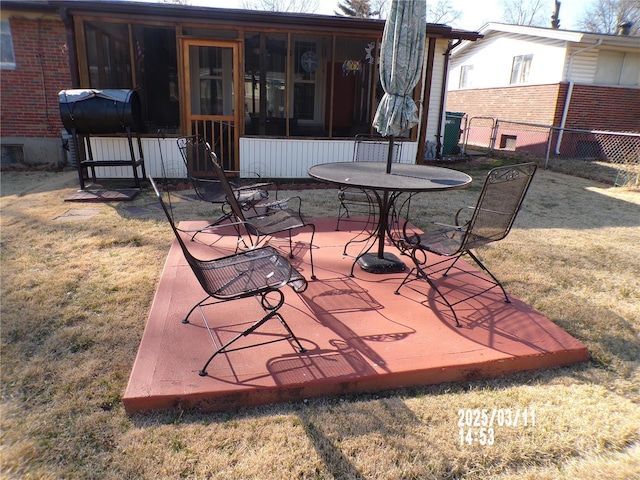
{"type": "Point", "coordinates": [356, 8]}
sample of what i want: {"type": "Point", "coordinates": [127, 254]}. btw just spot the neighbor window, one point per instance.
{"type": "Point", "coordinates": [520, 69]}
{"type": "Point", "coordinates": [465, 76]}
{"type": "Point", "coordinates": [6, 47]}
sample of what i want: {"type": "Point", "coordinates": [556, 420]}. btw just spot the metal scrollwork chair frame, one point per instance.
{"type": "Point", "coordinates": [490, 221]}
{"type": "Point", "coordinates": [196, 151]}
{"type": "Point", "coordinates": [367, 148]}
{"type": "Point", "coordinates": [259, 273]}
{"type": "Point", "coordinates": [278, 217]}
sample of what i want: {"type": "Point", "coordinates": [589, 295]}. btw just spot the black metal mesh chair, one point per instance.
{"type": "Point", "coordinates": [490, 221]}
{"type": "Point", "coordinates": [196, 151]}
{"type": "Point", "coordinates": [367, 148]}
{"type": "Point", "coordinates": [278, 217]}
{"type": "Point", "coordinates": [260, 273]}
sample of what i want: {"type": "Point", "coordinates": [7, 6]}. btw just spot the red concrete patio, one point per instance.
{"type": "Point", "coordinates": [359, 335]}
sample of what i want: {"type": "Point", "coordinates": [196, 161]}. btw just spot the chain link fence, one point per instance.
{"type": "Point", "coordinates": [611, 157]}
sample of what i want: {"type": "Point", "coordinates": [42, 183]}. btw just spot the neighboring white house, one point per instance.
{"type": "Point", "coordinates": [548, 76]}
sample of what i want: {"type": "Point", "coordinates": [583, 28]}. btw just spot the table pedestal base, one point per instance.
{"type": "Point", "coordinates": [369, 262]}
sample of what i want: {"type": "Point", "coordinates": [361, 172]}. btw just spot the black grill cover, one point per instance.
{"type": "Point", "coordinates": [91, 111]}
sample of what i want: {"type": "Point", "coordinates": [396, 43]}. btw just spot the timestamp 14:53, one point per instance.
{"type": "Point", "coordinates": [476, 436]}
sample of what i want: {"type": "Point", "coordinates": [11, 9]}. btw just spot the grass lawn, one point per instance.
{"type": "Point", "coordinates": [77, 286]}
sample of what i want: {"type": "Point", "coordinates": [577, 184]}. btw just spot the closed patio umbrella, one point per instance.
{"type": "Point", "coordinates": [401, 57]}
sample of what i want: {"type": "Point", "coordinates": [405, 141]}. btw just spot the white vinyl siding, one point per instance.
{"type": "Point", "coordinates": [618, 68]}
{"type": "Point", "coordinates": [583, 64]}
{"type": "Point", "coordinates": [267, 157]}
{"type": "Point", "coordinates": [492, 60]}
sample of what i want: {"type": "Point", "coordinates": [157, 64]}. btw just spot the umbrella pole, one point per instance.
{"type": "Point", "coordinates": [390, 154]}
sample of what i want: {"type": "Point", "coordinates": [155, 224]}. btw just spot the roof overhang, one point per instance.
{"type": "Point", "coordinates": [175, 13]}
{"type": "Point", "coordinates": [569, 36]}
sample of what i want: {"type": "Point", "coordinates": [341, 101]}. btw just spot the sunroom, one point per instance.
{"type": "Point", "coordinates": [273, 93]}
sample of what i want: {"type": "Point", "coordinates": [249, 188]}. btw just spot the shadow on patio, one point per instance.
{"type": "Point", "coordinates": [359, 337]}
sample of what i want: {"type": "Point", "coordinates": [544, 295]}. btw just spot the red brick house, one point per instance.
{"type": "Point", "coordinates": [35, 66]}
{"type": "Point", "coordinates": [549, 77]}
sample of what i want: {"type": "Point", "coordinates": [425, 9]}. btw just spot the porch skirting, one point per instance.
{"type": "Point", "coordinates": [268, 157]}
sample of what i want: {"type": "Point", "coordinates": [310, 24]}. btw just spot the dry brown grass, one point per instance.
{"type": "Point", "coordinates": [76, 294]}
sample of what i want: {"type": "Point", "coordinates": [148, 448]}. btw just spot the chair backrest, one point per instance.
{"type": "Point", "coordinates": [226, 187]}
{"type": "Point", "coordinates": [373, 148]}
{"type": "Point", "coordinates": [193, 151]}
{"type": "Point", "coordinates": [218, 277]}
{"type": "Point", "coordinates": [498, 204]}
{"type": "Point", "coordinates": [168, 211]}
{"type": "Point", "coordinates": [195, 154]}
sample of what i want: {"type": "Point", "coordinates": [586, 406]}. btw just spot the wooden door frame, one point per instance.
{"type": "Point", "coordinates": [238, 86]}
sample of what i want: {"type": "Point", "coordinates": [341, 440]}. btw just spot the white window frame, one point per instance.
{"type": "Point", "coordinates": [466, 76]}
{"type": "Point", "coordinates": [8, 61]}
{"type": "Point", "coordinates": [520, 69]}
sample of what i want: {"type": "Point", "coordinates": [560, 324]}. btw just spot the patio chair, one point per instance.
{"type": "Point", "coordinates": [489, 221]}
{"type": "Point", "coordinates": [277, 218]}
{"type": "Point", "coordinates": [196, 151]}
{"type": "Point", "coordinates": [367, 148]}
{"type": "Point", "coordinates": [259, 273]}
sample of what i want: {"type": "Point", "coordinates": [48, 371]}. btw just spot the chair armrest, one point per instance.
{"type": "Point", "coordinates": [253, 186]}
{"type": "Point", "coordinates": [283, 203]}
{"type": "Point", "coordinates": [457, 218]}
{"type": "Point", "coordinates": [454, 227]}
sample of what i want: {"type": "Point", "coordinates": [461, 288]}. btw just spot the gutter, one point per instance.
{"type": "Point", "coordinates": [567, 100]}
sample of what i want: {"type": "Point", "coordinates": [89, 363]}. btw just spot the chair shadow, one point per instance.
{"type": "Point", "coordinates": [328, 298]}
{"type": "Point", "coordinates": [487, 319]}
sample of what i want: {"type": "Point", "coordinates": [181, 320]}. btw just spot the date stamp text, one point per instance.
{"type": "Point", "coordinates": [479, 426]}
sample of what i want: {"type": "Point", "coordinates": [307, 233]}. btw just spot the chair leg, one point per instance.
{"type": "Point", "coordinates": [271, 312]}
{"type": "Point", "coordinates": [225, 348]}
{"type": "Point", "coordinates": [340, 214]}
{"type": "Point", "coordinates": [292, 335]}
{"type": "Point", "coordinates": [488, 272]}
{"type": "Point", "coordinates": [197, 305]}
{"type": "Point", "coordinates": [290, 246]}
{"type": "Point", "coordinates": [419, 274]}
{"type": "Point", "coordinates": [313, 232]}
{"type": "Point", "coordinates": [220, 219]}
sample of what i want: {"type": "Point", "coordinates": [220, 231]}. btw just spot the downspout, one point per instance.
{"type": "Point", "coordinates": [443, 96]}
{"type": "Point", "coordinates": [567, 100]}
{"type": "Point", "coordinates": [67, 21]}
{"type": "Point", "coordinates": [427, 76]}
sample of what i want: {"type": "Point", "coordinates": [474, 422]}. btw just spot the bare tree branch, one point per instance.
{"type": "Point", "coordinates": [292, 6]}
{"type": "Point", "coordinates": [526, 12]}
{"type": "Point", "coordinates": [606, 16]}
{"type": "Point", "coordinates": [442, 12]}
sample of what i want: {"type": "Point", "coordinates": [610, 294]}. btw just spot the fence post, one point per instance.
{"type": "Point", "coordinates": [494, 135]}
{"type": "Point", "coordinates": [546, 157]}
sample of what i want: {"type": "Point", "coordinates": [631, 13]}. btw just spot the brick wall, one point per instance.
{"type": "Point", "coordinates": [530, 104]}
{"type": "Point", "coordinates": [592, 107]}
{"type": "Point", "coordinates": [29, 106]}
{"type": "Point", "coordinates": [604, 108]}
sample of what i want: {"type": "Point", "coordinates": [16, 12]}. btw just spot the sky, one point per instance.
{"type": "Point", "coordinates": [475, 12]}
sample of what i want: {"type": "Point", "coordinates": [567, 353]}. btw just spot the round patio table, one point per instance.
{"type": "Point", "coordinates": [403, 178]}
